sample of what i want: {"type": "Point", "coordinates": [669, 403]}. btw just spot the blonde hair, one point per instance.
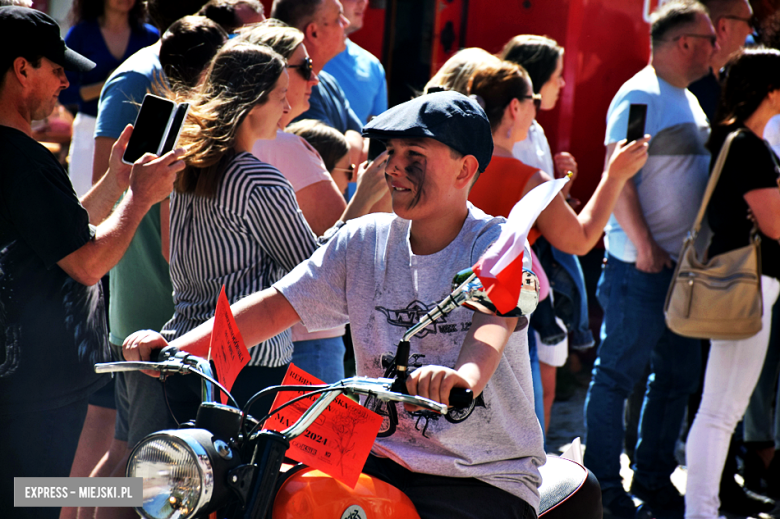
{"type": "Point", "coordinates": [456, 71]}
{"type": "Point", "coordinates": [279, 36]}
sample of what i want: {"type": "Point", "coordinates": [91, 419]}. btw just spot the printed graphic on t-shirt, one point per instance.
{"type": "Point", "coordinates": [411, 314]}
{"type": "Point", "coordinates": [405, 318]}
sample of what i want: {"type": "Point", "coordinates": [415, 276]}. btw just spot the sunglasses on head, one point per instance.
{"type": "Point", "coordinates": [306, 68]}
{"type": "Point", "coordinates": [537, 99]}
{"type": "Point", "coordinates": [350, 171]}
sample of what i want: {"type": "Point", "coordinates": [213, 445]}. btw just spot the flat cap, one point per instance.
{"type": "Point", "coordinates": [449, 117]}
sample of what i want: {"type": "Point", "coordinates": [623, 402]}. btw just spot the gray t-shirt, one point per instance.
{"type": "Point", "coordinates": [367, 275]}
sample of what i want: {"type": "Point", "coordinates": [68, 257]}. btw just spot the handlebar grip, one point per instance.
{"type": "Point", "coordinates": [163, 353]}
{"type": "Point", "coordinates": [461, 397]}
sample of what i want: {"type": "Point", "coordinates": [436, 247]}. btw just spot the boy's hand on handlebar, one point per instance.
{"type": "Point", "coordinates": [138, 346]}
{"type": "Point", "coordinates": [434, 382]}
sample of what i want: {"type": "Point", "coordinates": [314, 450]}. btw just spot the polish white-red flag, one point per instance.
{"type": "Point", "coordinates": [500, 269]}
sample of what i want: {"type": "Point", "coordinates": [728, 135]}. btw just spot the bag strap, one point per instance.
{"type": "Point", "coordinates": [714, 176]}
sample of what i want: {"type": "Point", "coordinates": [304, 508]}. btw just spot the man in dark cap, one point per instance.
{"type": "Point", "coordinates": [54, 248]}
{"type": "Point", "coordinates": [382, 272]}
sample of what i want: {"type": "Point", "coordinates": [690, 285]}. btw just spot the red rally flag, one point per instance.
{"type": "Point", "coordinates": [500, 269]}
{"type": "Point", "coordinates": [227, 348]}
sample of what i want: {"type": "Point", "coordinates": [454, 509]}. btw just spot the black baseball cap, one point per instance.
{"type": "Point", "coordinates": [449, 117]}
{"type": "Point", "coordinates": [37, 33]}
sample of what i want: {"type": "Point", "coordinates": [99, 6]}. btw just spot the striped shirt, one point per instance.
{"type": "Point", "coordinates": [247, 237]}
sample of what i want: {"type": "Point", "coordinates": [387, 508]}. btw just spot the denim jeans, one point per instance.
{"type": "Point", "coordinates": [536, 378]}
{"type": "Point", "coordinates": [634, 333]}
{"type": "Point", "coordinates": [323, 358]}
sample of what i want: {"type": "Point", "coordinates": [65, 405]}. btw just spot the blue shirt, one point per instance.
{"type": "Point", "coordinates": [86, 39]}
{"type": "Point", "coordinates": [126, 87]}
{"type": "Point", "coordinates": [362, 78]}
{"type": "Point", "coordinates": [329, 104]}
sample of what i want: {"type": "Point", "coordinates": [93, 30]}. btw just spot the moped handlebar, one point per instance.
{"type": "Point", "coordinates": [170, 360]}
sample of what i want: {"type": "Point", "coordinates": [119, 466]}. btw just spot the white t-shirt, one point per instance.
{"type": "Point", "coordinates": [368, 275]}
{"type": "Point", "coordinates": [534, 150]}
{"type": "Point", "coordinates": [672, 182]}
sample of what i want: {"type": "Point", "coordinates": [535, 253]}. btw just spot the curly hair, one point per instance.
{"type": "Point", "coordinates": [240, 78]}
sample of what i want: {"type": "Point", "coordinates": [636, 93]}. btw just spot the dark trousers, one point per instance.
{"type": "Point", "coordinates": [37, 444]}
{"type": "Point", "coordinates": [453, 498]}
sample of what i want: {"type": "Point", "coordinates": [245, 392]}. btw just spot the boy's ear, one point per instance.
{"type": "Point", "coordinates": [468, 170]}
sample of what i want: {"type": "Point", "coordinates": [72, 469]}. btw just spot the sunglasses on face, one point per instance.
{"type": "Point", "coordinates": [537, 99]}
{"type": "Point", "coordinates": [306, 68]}
{"type": "Point", "coordinates": [350, 171]}
{"type": "Point", "coordinates": [751, 21]}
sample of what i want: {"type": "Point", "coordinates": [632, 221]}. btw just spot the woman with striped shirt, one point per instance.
{"type": "Point", "coordinates": [234, 220]}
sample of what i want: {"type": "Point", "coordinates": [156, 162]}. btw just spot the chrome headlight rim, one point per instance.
{"type": "Point", "coordinates": [192, 441]}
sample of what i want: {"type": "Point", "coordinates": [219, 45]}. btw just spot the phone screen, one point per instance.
{"type": "Point", "coordinates": [149, 128]}
{"type": "Point", "coordinates": [637, 114]}
{"type": "Point", "coordinates": [176, 125]}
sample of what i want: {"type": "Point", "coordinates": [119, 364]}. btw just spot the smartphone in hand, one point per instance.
{"type": "Point", "coordinates": [157, 128]}
{"type": "Point", "coordinates": [375, 148]}
{"type": "Point", "coordinates": [637, 115]}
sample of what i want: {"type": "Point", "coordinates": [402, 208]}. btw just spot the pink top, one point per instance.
{"type": "Point", "coordinates": [298, 161]}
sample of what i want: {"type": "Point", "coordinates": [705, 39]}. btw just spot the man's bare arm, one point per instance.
{"type": "Point", "coordinates": [151, 180]}
{"type": "Point", "coordinates": [628, 212]}
{"type": "Point", "coordinates": [106, 188]}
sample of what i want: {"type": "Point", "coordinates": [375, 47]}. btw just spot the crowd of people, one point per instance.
{"type": "Point", "coordinates": [270, 195]}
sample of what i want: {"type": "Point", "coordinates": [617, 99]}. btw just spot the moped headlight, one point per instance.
{"type": "Point", "coordinates": [177, 472]}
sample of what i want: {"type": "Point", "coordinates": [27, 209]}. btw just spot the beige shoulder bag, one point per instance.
{"type": "Point", "coordinates": [720, 297]}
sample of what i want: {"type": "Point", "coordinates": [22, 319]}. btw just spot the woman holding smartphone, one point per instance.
{"type": "Point", "coordinates": [506, 93]}
{"type": "Point", "coordinates": [234, 220]}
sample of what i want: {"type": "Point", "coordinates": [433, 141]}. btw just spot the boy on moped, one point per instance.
{"type": "Point", "coordinates": [381, 273]}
